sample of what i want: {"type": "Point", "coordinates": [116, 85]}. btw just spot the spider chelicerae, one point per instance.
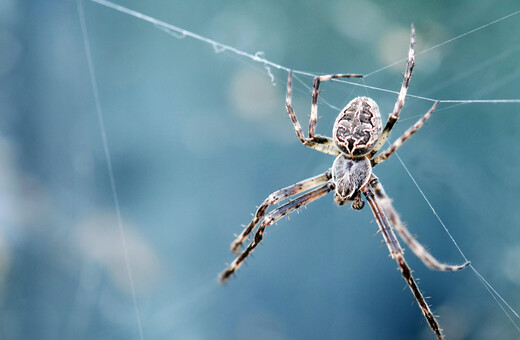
{"type": "Point", "coordinates": [357, 136]}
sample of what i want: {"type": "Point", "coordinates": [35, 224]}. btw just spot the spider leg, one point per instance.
{"type": "Point", "coordinates": [316, 142]}
{"type": "Point", "coordinates": [276, 197]}
{"type": "Point", "coordinates": [315, 91]}
{"type": "Point", "coordinates": [271, 218]}
{"type": "Point", "coordinates": [396, 253]}
{"type": "Point", "coordinates": [394, 116]}
{"type": "Point", "coordinates": [407, 134]}
{"type": "Point", "coordinates": [385, 203]}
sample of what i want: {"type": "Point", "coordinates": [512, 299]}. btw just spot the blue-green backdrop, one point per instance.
{"type": "Point", "coordinates": [199, 138]}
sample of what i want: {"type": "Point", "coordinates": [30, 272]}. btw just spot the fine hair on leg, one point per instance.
{"type": "Point", "coordinates": [276, 197]}
{"type": "Point", "coordinates": [399, 141]}
{"type": "Point", "coordinates": [418, 249]}
{"type": "Point", "coordinates": [394, 116]}
{"type": "Point", "coordinates": [396, 253]}
{"type": "Point", "coordinates": [271, 218]}
{"type": "Point", "coordinates": [320, 143]}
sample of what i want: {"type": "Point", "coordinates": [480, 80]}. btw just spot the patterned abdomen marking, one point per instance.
{"type": "Point", "coordinates": [357, 127]}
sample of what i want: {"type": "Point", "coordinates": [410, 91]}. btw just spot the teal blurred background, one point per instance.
{"type": "Point", "coordinates": [198, 139]}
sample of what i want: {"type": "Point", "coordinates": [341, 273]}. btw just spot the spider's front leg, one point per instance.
{"type": "Point", "coordinates": [394, 116]}
{"type": "Point", "coordinates": [316, 142]}
{"type": "Point", "coordinates": [271, 218]}
{"type": "Point", "coordinates": [407, 134]}
{"type": "Point", "coordinates": [276, 197]}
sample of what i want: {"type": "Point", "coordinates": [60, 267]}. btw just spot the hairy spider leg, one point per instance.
{"type": "Point", "coordinates": [407, 134]}
{"type": "Point", "coordinates": [394, 116]}
{"type": "Point", "coordinates": [385, 203]}
{"type": "Point", "coordinates": [271, 218]}
{"type": "Point", "coordinates": [396, 253]}
{"type": "Point", "coordinates": [276, 197]}
{"type": "Point", "coordinates": [315, 91]}
{"type": "Point", "coordinates": [316, 142]}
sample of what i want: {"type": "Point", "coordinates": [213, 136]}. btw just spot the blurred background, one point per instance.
{"type": "Point", "coordinates": [198, 138]}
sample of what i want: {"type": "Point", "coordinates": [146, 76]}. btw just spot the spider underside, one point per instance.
{"type": "Point", "coordinates": [357, 137]}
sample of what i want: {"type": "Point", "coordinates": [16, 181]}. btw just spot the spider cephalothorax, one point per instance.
{"type": "Point", "coordinates": [357, 127]}
{"type": "Point", "coordinates": [357, 138]}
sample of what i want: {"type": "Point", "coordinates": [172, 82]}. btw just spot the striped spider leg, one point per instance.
{"type": "Point", "coordinates": [276, 197]}
{"type": "Point", "coordinates": [386, 205]}
{"type": "Point", "coordinates": [396, 253]}
{"type": "Point", "coordinates": [316, 142]}
{"type": "Point", "coordinates": [357, 136]}
{"type": "Point", "coordinates": [407, 134]}
{"type": "Point", "coordinates": [394, 116]}
{"type": "Point", "coordinates": [387, 217]}
{"type": "Point", "coordinates": [273, 217]}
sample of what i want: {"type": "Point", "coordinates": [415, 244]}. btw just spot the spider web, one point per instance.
{"type": "Point", "coordinates": [259, 58]}
{"type": "Point", "coordinates": [268, 65]}
{"type": "Point", "coordinates": [182, 178]}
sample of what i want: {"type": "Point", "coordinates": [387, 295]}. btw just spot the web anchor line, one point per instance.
{"type": "Point", "coordinates": [447, 41]}
{"type": "Point", "coordinates": [258, 57]}
{"type": "Point", "coordinates": [181, 33]}
{"type": "Point", "coordinates": [108, 161]}
{"type": "Point", "coordinates": [496, 296]}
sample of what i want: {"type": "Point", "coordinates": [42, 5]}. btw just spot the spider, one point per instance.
{"type": "Point", "coordinates": [357, 136]}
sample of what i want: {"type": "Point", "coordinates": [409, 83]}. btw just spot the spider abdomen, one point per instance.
{"type": "Point", "coordinates": [349, 175]}
{"type": "Point", "coordinates": [357, 127]}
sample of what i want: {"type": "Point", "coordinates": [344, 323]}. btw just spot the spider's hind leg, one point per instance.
{"type": "Point", "coordinates": [418, 249]}
{"type": "Point", "coordinates": [276, 197]}
{"type": "Point", "coordinates": [396, 253]}
{"type": "Point", "coordinates": [271, 218]}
